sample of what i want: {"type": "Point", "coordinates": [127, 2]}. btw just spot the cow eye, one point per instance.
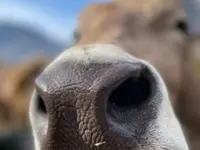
{"type": "Point", "coordinates": [182, 26]}
{"type": "Point", "coordinates": [76, 35]}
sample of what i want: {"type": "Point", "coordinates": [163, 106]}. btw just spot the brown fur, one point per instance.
{"type": "Point", "coordinates": [189, 100]}
{"type": "Point", "coordinates": [158, 41]}
{"type": "Point", "coordinates": [148, 7]}
{"type": "Point", "coordinates": [15, 89]}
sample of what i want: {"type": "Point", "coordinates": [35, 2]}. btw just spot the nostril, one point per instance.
{"type": "Point", "coordinates": [40, 105]}
{"type": "Point", "coordinates": [133, 91]}
{"type": "Point", "coordinates": [132, 101]}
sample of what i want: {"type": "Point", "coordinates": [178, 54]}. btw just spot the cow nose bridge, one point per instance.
{"type": "Point", "coordinates": [77, 65]}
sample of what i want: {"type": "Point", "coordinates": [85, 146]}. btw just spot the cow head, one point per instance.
{"type": "Point", "coordinates": [105, 92]}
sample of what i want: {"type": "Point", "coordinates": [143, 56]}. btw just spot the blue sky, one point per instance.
{"type": "Point", "coordinates": [54, 17]}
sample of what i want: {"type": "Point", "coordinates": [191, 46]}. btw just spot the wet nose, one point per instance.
{"type": "Point", "coordinates": [129, 80]}
{"type": "Point", "coordinates": [102, 82]}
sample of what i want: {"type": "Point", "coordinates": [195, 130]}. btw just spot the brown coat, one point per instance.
{"type": "Point", "coordinates": [16, 87]}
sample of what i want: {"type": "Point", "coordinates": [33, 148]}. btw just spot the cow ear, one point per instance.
{"type": "Point", "coordinates": [3, 82]}
{"type": "Point", "coordinates": [18, 76]}
{"type": "Point", "coordinates": [6, 82]}
{"type": "Point", "coordinates": [25, 73]}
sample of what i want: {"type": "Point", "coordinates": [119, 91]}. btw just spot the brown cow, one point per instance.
{"type": "Point", "coordinates": [100, 94]}
{"type": "Point", "coordinates": [15, 90]}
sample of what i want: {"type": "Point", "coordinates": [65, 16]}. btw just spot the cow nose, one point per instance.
{"type": "Point", "coordinates": [104, 84]}
{"type": "Point", "coordinates": [127, 85]}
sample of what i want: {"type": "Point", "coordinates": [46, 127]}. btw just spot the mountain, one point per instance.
{"type": "Point", "coordinates": [18, 42]}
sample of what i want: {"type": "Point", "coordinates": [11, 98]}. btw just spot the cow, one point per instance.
{"type": "Point", "coordinates": [106, 92]}
{"type": "Point", "coordinates": [15, 90]}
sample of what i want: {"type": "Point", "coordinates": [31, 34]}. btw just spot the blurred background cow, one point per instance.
{"type": "Point", "coordinates": [32, 33]}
